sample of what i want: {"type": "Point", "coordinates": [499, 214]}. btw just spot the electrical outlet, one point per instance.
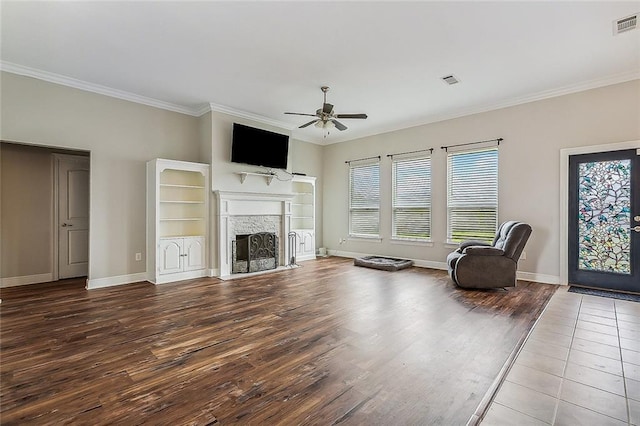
{"type": "Point", "coordinates": [138, 256]}
{"type": "Point", "coordinates": [523, 256]}
{"type": "Point", "coordinates": [342, 240]}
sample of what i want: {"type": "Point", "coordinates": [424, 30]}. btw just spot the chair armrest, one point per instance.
{"type": "Point", "coordinates": [463, 245]}
{"type": "Point", "coordinates": [483, 251]}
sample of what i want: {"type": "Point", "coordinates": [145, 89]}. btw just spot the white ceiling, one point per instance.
{"type": "Point", "coordinates": [382, 58]}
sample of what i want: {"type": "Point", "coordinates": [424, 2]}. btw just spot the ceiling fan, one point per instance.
{"type": "Point", "coordinates": [325, 116]}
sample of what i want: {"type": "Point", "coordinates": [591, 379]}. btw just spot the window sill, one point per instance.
{"type": "Point", "coordinates": [409, 242]}
{"type": "Point", "coordinates": [364, 239]}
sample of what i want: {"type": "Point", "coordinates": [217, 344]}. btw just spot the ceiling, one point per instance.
{"type": "Point", "coordinates": [260, 59]}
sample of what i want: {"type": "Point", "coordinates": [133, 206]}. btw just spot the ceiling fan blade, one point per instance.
{"type": "Point", "coordinates": [351, 115]}
{"type": "Point", "coordinates": [300, 113]}
{"type": "Point", "coordinates": [307, 124]}
{"type": "Point", "coordinates": [339, 125]}
{"type": "Point", "coordinates": [327, 108]}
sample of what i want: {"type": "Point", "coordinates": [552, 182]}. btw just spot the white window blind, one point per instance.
{"type": "Point", "coordinates": [472, 195]}
{"type": "Point", "coordinates": [364, 200]}
{"type": "Point", "coordinates": [412, 199]}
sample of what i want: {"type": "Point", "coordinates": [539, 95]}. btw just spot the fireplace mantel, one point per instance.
{"type": "Point", "coordinates": [231, 204]}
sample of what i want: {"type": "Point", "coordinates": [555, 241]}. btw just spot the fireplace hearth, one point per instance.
{"type": "Point", "coordinates": [255, 252]}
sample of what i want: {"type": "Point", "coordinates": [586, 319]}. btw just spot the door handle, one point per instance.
{"type": "Point", "coordinates": [64, 225]}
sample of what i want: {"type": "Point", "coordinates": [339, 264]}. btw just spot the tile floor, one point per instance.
{"type": "Point", "coordinates": [579, 366]}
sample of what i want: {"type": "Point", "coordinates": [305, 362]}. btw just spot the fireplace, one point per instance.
{"type": "Point", "coordinates": [240, 214]}
{"type": "Point", "coordinates": [255, 252]}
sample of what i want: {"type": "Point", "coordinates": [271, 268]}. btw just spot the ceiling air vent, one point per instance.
{"type": "Point", "coordinates": [625, 24]}
{"type": "Point", "coordinates": [450, 79]}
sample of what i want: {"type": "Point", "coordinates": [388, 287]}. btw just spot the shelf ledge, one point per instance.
{"type": "Point", "coordinates": [175, 185]}
{"type": "Point", "coordinates": [268, 176]}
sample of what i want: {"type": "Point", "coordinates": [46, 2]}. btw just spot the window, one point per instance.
{"type": "Point", "coordinates": [364, 200]}
{"type": "Point", "coordinates": [412, 199]}
{"type": "Point", "coordinates": [472, 195]}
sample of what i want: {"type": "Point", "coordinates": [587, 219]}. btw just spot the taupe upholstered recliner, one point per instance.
{"type": "Point", "coordinates": [480, 265]}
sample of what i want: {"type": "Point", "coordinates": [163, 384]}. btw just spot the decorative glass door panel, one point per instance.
{"type": "Point", "coordinates": [603, 231]}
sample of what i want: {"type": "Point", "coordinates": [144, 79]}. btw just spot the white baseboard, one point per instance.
{"type": "Point", "coordinates": [213, 272]}
{"type": "Point", "coordinates": [26, 279]}
{"type": "Point", "coordinates": [539, 278]}
{"type": "Point", "coordinates": [527, 276]}
{"type": "Point", "coordinates": [430, 264]}
{"type": "Point", "coordinates": [117, 280]}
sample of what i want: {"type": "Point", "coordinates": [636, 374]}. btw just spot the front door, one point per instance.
{"type": "Point", "coordinates": [604, 220]}
{"type": "Point", "coordinates": [73, 216]}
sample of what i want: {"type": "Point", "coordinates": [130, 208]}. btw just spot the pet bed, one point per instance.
{"type": "Point", "coordinates": [384, 263]}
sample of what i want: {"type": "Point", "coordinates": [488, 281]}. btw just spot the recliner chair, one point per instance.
{"type": "Point", "coordinates": [480, 265]}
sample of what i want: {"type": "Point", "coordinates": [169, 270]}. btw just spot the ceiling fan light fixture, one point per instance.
{"type": "Point", "coordinates": [320, 124]}
{"type": "Point", "coordinates": [326, 117]}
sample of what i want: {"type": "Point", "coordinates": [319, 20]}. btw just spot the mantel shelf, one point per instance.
{"type": "Point", "coordinates": [268, 176]}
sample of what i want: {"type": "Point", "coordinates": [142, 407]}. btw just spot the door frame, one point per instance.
{"type": "Point", "coordinates": [564, 194]}
{"type": "Point", "coordinates": [55, 241]}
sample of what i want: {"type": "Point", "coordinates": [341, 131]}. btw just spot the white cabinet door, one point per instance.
{"type": "Point", "coordinates": [306, 245]}
{"type": "Point", "coordinates": [194, 251]}
{"type": "Point", "coordinates": [170, 256]}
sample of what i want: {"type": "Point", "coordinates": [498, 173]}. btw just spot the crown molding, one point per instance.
{"type": "Point", "coordinates": [301, 135]}
{"type": "Point", "coordinates": [95, 88]}
{"type": "Point", "coordinates": [463, 112]}
{"type": "Point", "coordinates": [250, 116]}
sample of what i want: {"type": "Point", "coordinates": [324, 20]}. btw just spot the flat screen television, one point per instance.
{"type": "Point", "coordinates": [259, 147]}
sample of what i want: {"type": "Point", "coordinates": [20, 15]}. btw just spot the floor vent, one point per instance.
{"type": "Point", "coordinates": [625, 24]}
{"type": "Point", "coordinates": [450, 79]}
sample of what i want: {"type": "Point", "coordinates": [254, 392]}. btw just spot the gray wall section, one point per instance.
{"type": "Point", "coordinates": [26, 190]}
{"type": "Point", "coordinates": [121, 136]}
{"type": "Point", "coordinates": [529, 164]}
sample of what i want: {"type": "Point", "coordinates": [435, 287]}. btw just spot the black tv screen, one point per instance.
{"type": "Point", "coordinates": [259, 147]}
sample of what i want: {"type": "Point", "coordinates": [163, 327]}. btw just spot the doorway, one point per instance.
{"type": "Point", "coordinates": [604, 220]}
{"type": "Point", "coordinates": [31, 221]}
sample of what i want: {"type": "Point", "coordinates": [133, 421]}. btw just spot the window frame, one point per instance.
{"type": "Point", "coordinates": [354, 235]}
{"type": "Point", "coordinates": [449, 207]}
{"type": "Point", "coordinates": [428, 205]}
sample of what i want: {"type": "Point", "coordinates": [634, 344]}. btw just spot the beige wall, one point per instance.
{"type": "Point", "coordinates": [26, 190]}
{"type": "Point", "coordinates": [303, 158]}
{"type": "Point", "coordinates": [529, 187]}
{"type": "Point", "coordinates": [121, 137]}
{"type": "Point", "coordinates": [307, 158]}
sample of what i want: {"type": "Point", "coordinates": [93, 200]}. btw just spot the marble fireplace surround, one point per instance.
{"type": "Point", "coordinates": [248, 212]}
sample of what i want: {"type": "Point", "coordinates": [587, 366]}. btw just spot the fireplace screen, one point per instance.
{"type": "Point", "coordinates": [255, 252]}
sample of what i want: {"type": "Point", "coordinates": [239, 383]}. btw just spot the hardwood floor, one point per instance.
{"type": "Point", "coordinates": [326, 343]}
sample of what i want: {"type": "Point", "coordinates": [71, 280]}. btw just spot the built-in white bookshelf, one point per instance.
{"type": "Point", "coordinates": [303, 221]}
{"type": "Point", "coordinates": [177, 225]}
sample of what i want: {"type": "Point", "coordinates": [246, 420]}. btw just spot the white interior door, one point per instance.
{"type": "Point", "coordinates": [73, 216]}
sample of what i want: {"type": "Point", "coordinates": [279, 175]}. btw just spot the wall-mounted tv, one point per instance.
{"type": "Point", "coordinates": [259, 147]}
